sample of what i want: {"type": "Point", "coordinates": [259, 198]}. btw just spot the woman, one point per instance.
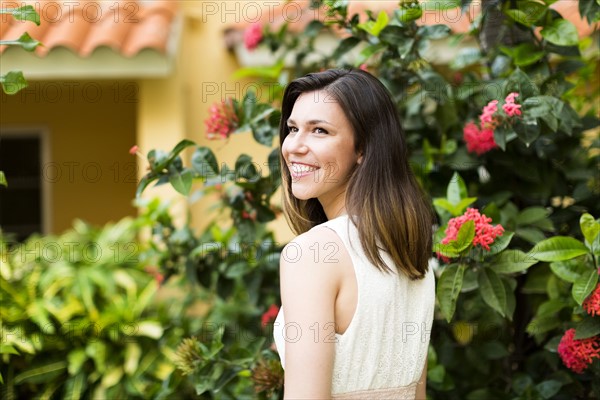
{"type": "Point", "coordinates": [357, 297]}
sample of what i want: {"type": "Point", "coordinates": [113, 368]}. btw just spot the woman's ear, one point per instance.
{"type": "Point", "coordinates": [360, 159]}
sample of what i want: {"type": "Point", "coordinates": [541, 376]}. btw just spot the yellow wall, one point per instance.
{"type": "Point", "coordinates": [90, 126]}
{"type": "Point", "coordinates": [180, 104]}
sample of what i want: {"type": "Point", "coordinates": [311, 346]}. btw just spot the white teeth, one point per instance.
{"type": "Point", "coordinates": [300, 169]}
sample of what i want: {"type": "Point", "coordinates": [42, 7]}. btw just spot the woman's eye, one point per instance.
{"type": "Point", "coordinates": [292, 129]}
{"type": "Point", "coordinates": [321, 130]}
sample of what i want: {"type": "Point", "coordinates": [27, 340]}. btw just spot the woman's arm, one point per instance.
{"type": "Point", "coordinates": [309, 286]}
{"type": "Point", "coordinates": [422, 384]}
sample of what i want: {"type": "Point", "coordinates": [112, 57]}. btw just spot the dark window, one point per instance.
{"type": "Point", "coordinates": [21, 201]}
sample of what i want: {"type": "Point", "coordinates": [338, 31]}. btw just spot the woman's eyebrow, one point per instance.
{"type": "Point", "coordinates": [311, 122]}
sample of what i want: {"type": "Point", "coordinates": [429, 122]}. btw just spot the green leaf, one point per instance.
{"type": "Point", "coordinates": [182, 182]}
{"type": "Point", "coordinates": [437, 5]}
{"type": "Point", "coordinates": [511, 261]}
{"type": "Point", "coordinates": [434, 32]}
{"type": "Point", "coordinates": [368, 52]}
{"type": "Point", "coordinates": [7, 349]}
{"type": "Point", "coordinates": [590, 10]}
{"type": "Point", "coordinates": [460, 207]}
{"type": "Point", "coordinates": [466, 57]}
{"type": "Point", "coordinates": [271, 72]}
{"type": "Point", "coordinates": [539, 325]}
{"type": "Point", "coordinates": [205, 163]}
{"type": "Point", "coordinates": [531, 215]}
{"type": "Point", "coordinates": [527, 130]}
{"type": "Point", "coordinates": [436, 373]}
{"type": "Point", "coordinates": [246, 168]}
{"type": "Point", "coordinates": [144, 182]}
{"type": "Point", "coordinates": [590, 228]}
{"type": "Point", "coordinates": [25, 41]}
{"type": "Point", "coordinates": [454, 209]}
{"type": "Point", "coordinates": [531, 234]}
{"type": "Point", "coordinates": [392, 35]}
{"type": "Point", "coordinates": [345, 46]}
{"type": "Point", "coordinates": [375, 27]}
{"type": "Point", "coordinates": [528, 12]}
{"type": "Point", "coordinates": [3, 179]}
{"type": "Point", "coordinates": [13, 82]}
{"type": "Point", "coordinates": [313, 28]}
{"type": "Point", "coordinates": [447, 250]}
{"type": "Point", "coordinates": [443, 204]}
{"type": "Point", "coordinates": [179, 147]}
{"type": "Point", "coordinates": [520, 82]}
{"type": "Point", "coordinates": [569, 270]}
{"type": "Point", "coordinates": [500, 243]}
{"type": "Point", "coordinates": [548, 389]}
{"type": "Point", "coordinates": [274, 168]}
{"type": "Point", "coordinates": [465, 236]}
{"type": "Point", "coordinates": [25, 13]}
{"type": "Point", "coordinates": [584, 285]}
{"type": "Point", "coordinates": [524, 54]}
{"type": "Point", "coordinates": [457, 190]}
{"type": "Point", "coordinates": [448, 288]}
{"type": "Point", "coordinates": [151, 329]}
{"type": "Point", "coordinates": [44, 373]}
{"type": "Point", "coordinates": [74, 386]}
{"type": "Point", "coordinates": [587, 328]}
{"type": "Point", "coordinates": [409, 13]}
{"type": "Point", "coordinates": [558, 248]}
{"type": "Point", "coordinates": [550, 307]}
{"type": "Point", "coordinates": [561, 32]}
{"type": "Point", "coordinates": [492, 290]}
{"type": "Point", "coordinates": [76, 359]}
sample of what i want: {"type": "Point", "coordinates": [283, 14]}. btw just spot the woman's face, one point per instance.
{"type": "Point", "coordinates": [319, 149]}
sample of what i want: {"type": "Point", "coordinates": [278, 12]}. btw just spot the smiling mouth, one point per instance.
{"type": "Point", "coordinates": [299, 170]}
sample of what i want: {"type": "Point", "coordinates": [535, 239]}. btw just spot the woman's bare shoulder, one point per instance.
{"type": "Point", "coordinates": [318, 251]}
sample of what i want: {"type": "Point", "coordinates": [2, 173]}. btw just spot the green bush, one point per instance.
{"type": "Point", "coordinates": [79, 318]}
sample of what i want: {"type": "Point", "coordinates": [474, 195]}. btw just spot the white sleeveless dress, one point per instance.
{"type": "Point", "coordinates": [382, 352]}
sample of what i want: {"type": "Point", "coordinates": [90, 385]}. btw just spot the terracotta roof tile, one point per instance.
{"type": "Point", "coordinates": [154, 31]}
{"type": "Point", "coordinates": [125, 26]}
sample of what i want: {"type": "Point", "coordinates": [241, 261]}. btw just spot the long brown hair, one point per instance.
{"type": "Point", "coordinates": [392, 213]}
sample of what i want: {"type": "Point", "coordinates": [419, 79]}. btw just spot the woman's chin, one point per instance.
{"type": "Point", "coordinates": [301, 195]}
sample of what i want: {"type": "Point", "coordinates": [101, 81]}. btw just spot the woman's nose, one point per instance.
{"type": "Point", "coordinates": [296, 143]}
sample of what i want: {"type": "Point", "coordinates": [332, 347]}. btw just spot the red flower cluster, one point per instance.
{"type": "Point", "coordinates": [481, 140]}
{"type": "Point", "coordinates": [478, 141]}
{"type": "Point", "coordinates": [485, 233]}
{"type": "Point", "coordinates": [253, 36]}
{"type": "Point", "coordinates": [577, 355]}
{"type": "Point", "coordinates": [270, 315]}
{"type": "Point", "coordinates": [222, 121]}
{"type": "Point", "coordinates": [592, 303]}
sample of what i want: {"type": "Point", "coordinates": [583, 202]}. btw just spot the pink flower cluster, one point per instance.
{"type": "Point", "coordinates": [510, 107]}
{"type": "Point", "coordinates": [253, 35]}
{"type": "Point", "coordinates": [485, 233]}
{"type": "Point", "coordinates": [577, 355]}
{"type": "Point", "coordinates": [592, 303]}
{"type": "Point", "coordinates": [222, 121]}
{"type": "Point", "coordinates": [480, 140]}
{"type": "Point", "coordinates": [487, 114]}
